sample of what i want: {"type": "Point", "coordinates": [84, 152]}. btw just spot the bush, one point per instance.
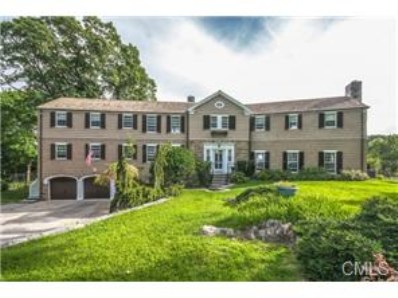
{"type": "Point", "coordinates": [249, 192]}
{"type": "Point", "coordinates": [174, 190]}
{"type": "Point", "coordinates": [307, 174]}
{"type": "Point", "coordinates": [273, 175]}
{"type": "Point", "coordinates": [246, 167]}
{"type": "Point", "coordinates": [353, 175]}
{"type": "Point", "coordinates": [238, 177]}
{"type": "Point", "coordinates": [203, 172]}
{"type": "Point", "coordinates": [4, 185]}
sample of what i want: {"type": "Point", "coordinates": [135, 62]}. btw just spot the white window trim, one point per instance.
{"type": "Point", "coordinates": [95, 144]}
{"type": "Point", "coordinates": [171, 126]}
{"type": "Point", "coordinates": [335, 120]}
{"type": "Point", "coordinates": [176, 145]}
{"type": "Point", "coordinates": [147, 155]}
{"type": "Point", "coordinates": [56, 119]}
{"type": "Point", "coordinates": [219, 122]}
{"type": "Point", "coordinates": [56, 150]}
{"type": "Point", "coordinates": [124, 145]}
{"type": "Point", "coordinates": [255, 155]}
{"type": "Point", "coordinates": [95, 127]}
{"type": "Point", "coordinates": [156, 123]}
{"type": "Point", "coordinates": [297, 126]}
{"type": "Point", "coordinates": [298, 160]}
{"type": "Point", "coordinates": [132, 121]}
{"type": "Point", "coordinates": [335, 163]}
{"type": "Point", "coordinates": [255, 122]}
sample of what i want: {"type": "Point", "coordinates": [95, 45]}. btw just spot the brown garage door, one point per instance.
{"type": "Point", "coordinates": [63, 188]}
{"type": "Point", "coordinates": [94, 191]}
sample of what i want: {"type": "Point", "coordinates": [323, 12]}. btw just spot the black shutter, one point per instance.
{"type": "Point", "coordinates": [168, 126]}
{"type": "Point", "coordinates": [52, 147]}
{"type": "Point", "coordinates": [182, 124]}
{"type": "Point", "coordinates": [285, 161]}
{"type": "Point", "coordinates": [135, 121]}
{"type": "Point", "coordinates": [206, 122]}
{"type": "Point", "coordinates": [87, 149]}
{"type": "Point", "coordinates": [159, 123]}
{"type": "Point", "coordinates": [266, 160]}
{"type": "Point", "coordinates": [103, 120]}
{"type": "Point", "coordinates": [120, 151]}
{"type": "Point", "coordinates": [144, 153]}
{"type": "Point", "coordinates": [120, 121]}
{"type": "Point", "coordinates": [232, 122]}
{"type": "Point", "coordinates": [286, 122]}
{"type": "Point", "coordinates": [52, 119]}
{"type": "Point", "coordinates": [135, 152]}
{"type": "Point", "coordinates": [69, 119]}
{"type": "Point", "coordinates": [143, 123]}
{"type": "Point", "coordinates": [340, 120]}
{"type": "Point", "coordinates": [87, 120]}
{"type": "Point", "coordinates": [103, 151]}
{"type": "Point", "coordinates": [321, 120]}
{"type": "Point", "coordinates": [339, 162]}
{"type": "Point", "coordinates": [321, 159]}
{"type": "Point", "coordinates": [267, 123]}
{"type": "Point", "coordinates": [69, 151]}
{"type": "Point", "coordinates": [252, 119]}
{"type": "Point", "coordinates": [300, 121]}
{"type": "Point", "coordinates": [251, 155]}
{"type": "Point", "coordinates": [301, 155]}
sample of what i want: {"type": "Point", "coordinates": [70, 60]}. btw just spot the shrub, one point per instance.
{"type": "Point", "coordinates": [203, 172]}
{"type": "Point", "coordinates": [247, 167]}
{"type": "Point", "coordinates": [238, 177]}
{"type": "Point", "coordinates": [249, 192]}
{"type": "Point", "coordinates": [273, 175]}
{"type": "Point", "coordinates": [4, 185]}
{"type": "Point", "coordinates": [353, 175]}
{"type": "Point", "coordinates": [180, 165]}
{"type": "Point", "coordinates": [174, 190]}
{"type": "Point", "coordinates": [307, 174]}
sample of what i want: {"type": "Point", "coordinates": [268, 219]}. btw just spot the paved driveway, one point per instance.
{"type": "Point", "coordinates": [24, 221]}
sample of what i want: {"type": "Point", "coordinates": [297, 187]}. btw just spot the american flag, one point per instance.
{"type": "Point", "coordinates": [89, 158]}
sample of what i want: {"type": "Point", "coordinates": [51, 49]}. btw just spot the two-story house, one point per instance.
{"type": "Point", "coordinates": [289, 135]}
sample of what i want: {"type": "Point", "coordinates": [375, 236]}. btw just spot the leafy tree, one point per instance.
{"type": "Point", "coordinates": [63, 56]}
{"type": "Point", "coordinates": [383, 154]}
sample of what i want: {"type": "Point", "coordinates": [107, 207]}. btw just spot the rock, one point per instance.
{"type": "Point", "coordinates": [214, 231]}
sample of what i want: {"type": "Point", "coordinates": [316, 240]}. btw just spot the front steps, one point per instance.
{"type": "Point", "coordinates": [219, 181]}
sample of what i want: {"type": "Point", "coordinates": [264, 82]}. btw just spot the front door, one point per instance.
{"type": "Point", "coordinates": [219, 160]}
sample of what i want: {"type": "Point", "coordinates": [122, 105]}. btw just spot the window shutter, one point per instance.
{"type": "Point", "coordinates": [103, 120]}
{"type": "Point", "coordinates": [103, 151]}
{"type": "Point", "coordinates": [144, 153]}
{"type": "Point", "coordinates": [87, 149]}
{"type": "Point", "coordinates": [252, 123]}
{"type": "Point", "coordinates": [159, 123]}
{"type": "Point", "coordinates": [266, 160]}
{"type": "Point", "coordinates": [285, 161]}
{"type": "Point", "coordinates": [251, 155]}
{"type": "Point", "coordinates": [286, 122]}
{"type": "Point", "coordinates": [267, 123]}
{"type": "Point", "coordinates": [340, 120]}
{"type": "Point", "coordinates": [143, 123]}
{"type": "Point", "coordinates": [232, 122]}
{"type": "Point", "coordinates": [135, 152]}
{"type": "Point", "coordinates": [69, 119]}
{"type": "Point", "coordinates": [87, 120]}
{"type": "Point", "coordinates": [135, 121]}
{"type": "Point", "coordinates": [120, 151]}
{"type": "Point", "coordinates": [182, 124]}
{"type": "Point", "coordinates": [120, 121]}
{"type": "Point", "coordinates": [206, 122]}
{"type": "Point", "coordinates": [168, 129]}
{"type": "Point", "coordinates": [321, 120]}
{"type": "Point", "coordinates": [69, 151]}
{"type": "Point", "coordinates": [52, 119]}
{"type": "Point", "coordinates": [301, 155]}
{"type": "Point", "coordinates": [52, 147]}
{"type": "Point", "coordinates": [339, 162]}
{"type": "Point", "coordinates": [300, 121]}
{"type": "Point", "coordinates": [321, 159]}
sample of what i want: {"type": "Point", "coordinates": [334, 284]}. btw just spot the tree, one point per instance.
{"type": "Point", "coordinates": [62, 56]}
{"type": "Point", "coordinates": [383, 154]}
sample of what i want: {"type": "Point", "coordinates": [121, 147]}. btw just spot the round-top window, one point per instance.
{"type": "Point", "coordinates": [219, 104]}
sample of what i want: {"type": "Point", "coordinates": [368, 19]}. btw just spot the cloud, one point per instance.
{"type": "Point", "coordinates": [287, 58]}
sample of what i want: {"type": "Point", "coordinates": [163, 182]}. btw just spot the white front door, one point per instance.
{"type": "Point", "coordinates": [221, 157]}
{"type": "Point", "coordinates": [218, 164]}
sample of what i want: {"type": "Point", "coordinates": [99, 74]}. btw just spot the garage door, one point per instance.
{"type": "Point", "coordinates": [94, 191]}
{"type": "Point", "coordinates": [63, 188]}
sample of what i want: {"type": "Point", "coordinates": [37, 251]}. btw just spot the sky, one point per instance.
{"type": "Point", "coordinates": [256, 59]}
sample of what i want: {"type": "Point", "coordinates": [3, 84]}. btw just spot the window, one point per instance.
{"type": "Point", "coordinates": [330, 120]}
{"type": "Point", "coordinates": [61, 151]}
{"type": "Point", "coordinates": [259, 159]}
{"type": "Point", "coordinates": [175, 123]}
{"type": "Point", "coordinates": [259, 123]}
{"type": "Point", "coordinates": [329, 161]}
{"type": "Point", "coordinates": [293, 161]}
{"type": "Point", "coordinates": [128, 151]}
{"type": "Point", "coordinates": [128, 120]}
{"type": "Point", "coordinates": [151, 123]}
{"type": "Point", "coordinates": [96, 151]}
{"type": "Point", "coordinates": [293, 121]}
{"type": "Point", "coordinates": [95, 120]}
{"type": "Point", "coordinates": [61, 119]}
{"type": "Point", "coordinates": [151, 152]}
{"type": "Point", "coordinates": [208, 155]}
{"type": "Point", "coordinates": [219, 122]}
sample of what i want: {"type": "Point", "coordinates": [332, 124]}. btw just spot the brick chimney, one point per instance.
{"type": "Point", "coordinates": [354, 90]}
{"type": "Point", "coordinates": [191, 98]}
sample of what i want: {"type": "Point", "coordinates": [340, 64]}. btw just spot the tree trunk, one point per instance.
{"type": "Point", "coordinates": [28, 172]}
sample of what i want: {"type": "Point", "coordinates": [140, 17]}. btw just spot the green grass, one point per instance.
{"type": "Point", "coordinates": [163, 243]}
{"type": "Point", "coordinates": [18, 191]}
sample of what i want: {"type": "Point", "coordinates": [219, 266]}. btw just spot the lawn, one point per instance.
{"type": "Point", "coordinates": [18, 191]}
{"type": "Point", "coordinates": [162, 243]}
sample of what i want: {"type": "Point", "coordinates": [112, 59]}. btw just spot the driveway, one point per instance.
{"type": "Point", "coordinates": [24, 221]}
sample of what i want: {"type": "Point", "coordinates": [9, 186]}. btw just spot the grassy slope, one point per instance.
{"type": "Point", "coordinates": [17, 192]}
{"type": "Point", "coordinates": [163, 243]}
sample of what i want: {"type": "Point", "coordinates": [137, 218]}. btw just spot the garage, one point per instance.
{"type": "Point", "coordinates": [63, 188]}
{"type": "Point", "coordinates": [94, 191]}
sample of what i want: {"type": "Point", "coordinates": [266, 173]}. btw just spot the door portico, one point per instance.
{"type": "Point", "coordinates": [220, 155]}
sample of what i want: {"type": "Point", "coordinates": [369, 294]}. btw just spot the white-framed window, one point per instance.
{"type": "Point", "coordinates": [259, 157]}
{"type": "Point", "coordinates": [259, 122]}
{"type": "Point", "coordinates": [175, 124]}
{"type": "Point", "coordinates": [151, 152]}
{"type": "Point", "coordinates": [127, 120]}
{"type": "Point", "coordinates": [60, 119]}
{"type": "Point", "coordinates": [293, 121]}
{"type": "Point", "coordinates": [95, 148]}
{"type": "Point", "coordinates": [293, 161]}
{"type": "Point", "coordinates": [330, 120]}
{"type": "Point", "coordinates": [61, 151]}
{"type": "Point", "coordinates": [330, 161]}
{"type": "Point", "coordinates": [151, 123]}
{"type": "Point", "coordinates": [128, 151]}
{"type": "Point", "coordinates": [95, 120]}
{"type": "Point", "coordinates": [219, 121]}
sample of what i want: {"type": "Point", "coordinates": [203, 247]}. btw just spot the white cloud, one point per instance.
{"type": "Point", "coordinates": [302, 60]}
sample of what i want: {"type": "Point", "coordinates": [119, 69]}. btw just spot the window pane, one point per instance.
{"type": "Point", "coordinates": [175, 124]}
{"type": "Point", "coordinates": [95, 119]}
{"type": "Point", "coordinates": [224, 122]}
{"type": "Point", "coordinates": [214, 122]}
{"type": "Point", "coordinates": [96, 149]}
{"type": "Point", "coordinates": [330, 162]}
{"type": "Point", "coordinates": [330, 119]}
{"type": "Point", "coordinates": [292, 161]}
{"type": "Point", "coordinates": [61, 118]}
{"type": "Point", "coordinates": [61, 151]}
{"type": "Point", "coordinates": [260, 123]}
{"type": "Point", "coordinates": [151, 123]}
{"type": "Point", "coordinates": [128, 120]}
{"type": "Point", "coordinates": [293, 121]}
{"type": "Point", "coordinates": [151, 152]}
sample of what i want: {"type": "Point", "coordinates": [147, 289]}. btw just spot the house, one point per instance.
{"type": "Point", "coordinates": [291, 135]}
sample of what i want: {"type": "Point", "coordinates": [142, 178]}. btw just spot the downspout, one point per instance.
{"type": "Point", "coordinates": [187, 130]}
{"type": "Point", "coordinates": [363, 166]}
{"type": "Point", "coordinates": [40, 154]}
{"type": "Point", "coordinates": [250, 138]}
